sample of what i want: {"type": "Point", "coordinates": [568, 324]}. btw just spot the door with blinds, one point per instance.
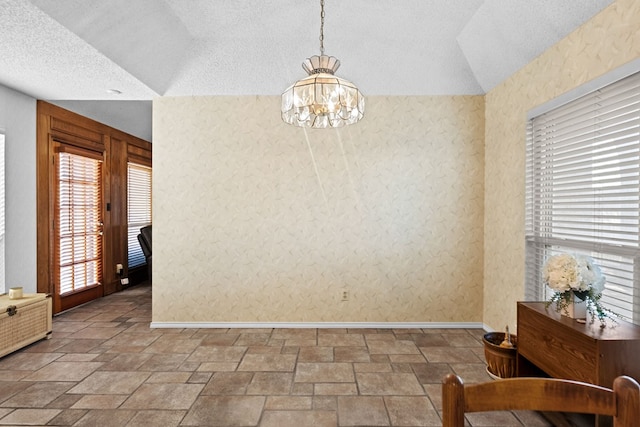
{"type": "Point", "coordinates": [78, 260]}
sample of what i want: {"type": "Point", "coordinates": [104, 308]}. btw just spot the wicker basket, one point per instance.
{"type": "Point", "coordinates": [501, 361]}
{"type": "Point", "coordinates": [23, 321]}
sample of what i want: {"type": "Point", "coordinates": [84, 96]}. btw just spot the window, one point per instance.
{"type": "Point", "coordinates": [79, 221]}
{"type": "Point", "coordinates": [2, 203]}
{"type": "Point", "coordinates": [138, 209]}
{"type": "Point", "coordinates": [583, 190]}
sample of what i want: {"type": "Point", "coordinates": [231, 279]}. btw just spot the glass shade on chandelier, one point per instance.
{"type": "Point", "coordinates": [322, 100]}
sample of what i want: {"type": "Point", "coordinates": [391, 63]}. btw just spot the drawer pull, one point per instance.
{"type": "Point", "coordinates": [11, 310]}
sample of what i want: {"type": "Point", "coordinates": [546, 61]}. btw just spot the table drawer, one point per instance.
{"type": "Point", "coordinates": [556, 349]}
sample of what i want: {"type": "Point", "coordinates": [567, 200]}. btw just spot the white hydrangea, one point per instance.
{"type": "Point", "coordinates": [561, 272]}
{"type": "Point", "coordinates": [576, 278]}
{"type": "Point", "coordinates": [566, 272]}
{"type": "Point", "coordinates": [590, 275]}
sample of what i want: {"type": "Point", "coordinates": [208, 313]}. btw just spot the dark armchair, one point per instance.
{"type": "Point", "coordinates": [145, 243]}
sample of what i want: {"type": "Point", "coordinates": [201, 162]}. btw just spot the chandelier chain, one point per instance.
{"type": "Point", "coordinates": [321, 27]}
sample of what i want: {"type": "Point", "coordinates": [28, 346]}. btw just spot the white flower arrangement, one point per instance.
{"type": "Point", "coordinates": [571, 276]}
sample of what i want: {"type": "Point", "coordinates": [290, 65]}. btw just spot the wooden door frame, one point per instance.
{"type": "Point", "coordinates": [57, 124]}
{"type": "Point", "coordinates": [81, 296]}
{"type": "Point", "coordinates": [55, 127]}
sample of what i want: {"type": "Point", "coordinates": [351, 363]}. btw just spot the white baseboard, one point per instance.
{"type": "Point", "coordinates": [298, 325]}
{"type": "Point", "coordinates": [488, 328]}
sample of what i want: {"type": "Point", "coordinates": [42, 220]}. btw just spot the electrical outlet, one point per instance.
{"type": "Point", "coordinates": [344, 295]}
{"type": "Point", "coordinates": [124, 281]}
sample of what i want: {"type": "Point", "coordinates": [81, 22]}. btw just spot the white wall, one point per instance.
{"type": "Point", "coordinates": [18, 123]}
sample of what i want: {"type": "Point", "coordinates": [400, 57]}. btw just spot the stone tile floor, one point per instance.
{"type": "Point", "coordinates": [104, 366]}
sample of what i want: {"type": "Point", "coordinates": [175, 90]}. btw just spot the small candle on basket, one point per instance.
{"type": "Point", "coordinates": [15, 293]}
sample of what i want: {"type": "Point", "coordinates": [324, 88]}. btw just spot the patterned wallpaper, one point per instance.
{"type": "Point", "coordinates": [258, 221]}
{"type": "Point", "coordinates": [609, 40]}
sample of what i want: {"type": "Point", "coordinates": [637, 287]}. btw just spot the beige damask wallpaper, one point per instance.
{"type": "Point", "coordinates": [609, 40]}
{"type": "Point", "coordinates": [257, 221]}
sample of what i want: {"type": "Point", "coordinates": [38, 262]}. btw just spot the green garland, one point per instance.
{"type": "Point", "coordinates": [562, 300]}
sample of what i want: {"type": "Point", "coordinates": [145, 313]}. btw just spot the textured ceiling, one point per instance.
{"type": "Point", "coordinates": [76, 50]}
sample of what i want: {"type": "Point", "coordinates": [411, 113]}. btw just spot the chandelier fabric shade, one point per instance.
{"type": "Point", "coordinates": [322, 100]}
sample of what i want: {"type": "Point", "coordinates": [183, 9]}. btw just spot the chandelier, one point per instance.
{"type": "Point", "coordinates": [321, 99]}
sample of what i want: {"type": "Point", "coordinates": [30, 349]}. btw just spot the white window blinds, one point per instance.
{"type": "Point", "coordinates": [138, 209]}
{"type": "Point", "coordinates": [79, 222]}
{"type": "Point", "coordinates": [583, 190]}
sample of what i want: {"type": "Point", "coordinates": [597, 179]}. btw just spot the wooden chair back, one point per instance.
{"type": "Point", "coordinates": [541, 394]}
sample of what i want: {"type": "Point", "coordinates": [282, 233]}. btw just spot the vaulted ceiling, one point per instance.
{"type": "Point", "coordinates": [78, 52]}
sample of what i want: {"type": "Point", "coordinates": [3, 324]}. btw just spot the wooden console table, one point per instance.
{"type": "Point", "coordinates": [561, 347]}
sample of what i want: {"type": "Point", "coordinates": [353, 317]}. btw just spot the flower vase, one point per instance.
{"type": "Point", "coordinates": [576, 308]}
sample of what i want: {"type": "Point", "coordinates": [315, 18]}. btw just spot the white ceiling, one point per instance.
{"type": "Point", "coordinates": [74, 51]}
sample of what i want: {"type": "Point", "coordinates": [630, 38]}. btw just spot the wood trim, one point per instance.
{"type": "Point", "coordinates": [72, 129]}
{"type": "Point", "coordinates": [86, 152]}
{"type": "Point", "coordinates": [57, 125]}
{"type": "Point", "coordinates": [74, 300]}
{"type": "Point", "coordinates": [117, 215]}
{"type": "Point", "coordinates": [78, 142]}
{"type": "Point", "coordinates": [144, 161]}
{"type": "Point", "coordinates": [44, 222]}
{"type": "Point", "coordinates": [141, 143]}
{"type": "Point", "coordinates": [140, 155]}
{"type": "Point", "coordinates": [139, 151]}
{"type": "Point", "coordinates": [107, 235]}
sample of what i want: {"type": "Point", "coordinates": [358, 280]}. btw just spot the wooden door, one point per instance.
{"type": "Point", "coordinates": [78, 229]}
